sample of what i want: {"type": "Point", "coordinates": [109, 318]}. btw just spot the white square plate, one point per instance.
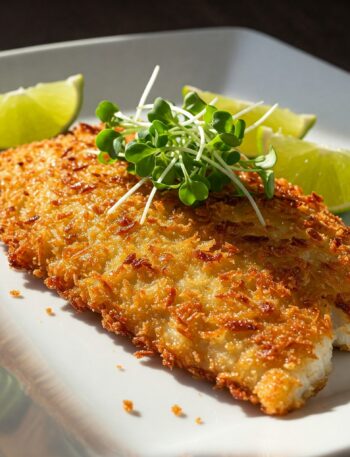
{"type": "Point", "coordinates": [68, 363]}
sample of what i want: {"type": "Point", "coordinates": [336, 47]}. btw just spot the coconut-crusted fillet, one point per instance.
{"type": "Point", "coordinates": [209, 288]}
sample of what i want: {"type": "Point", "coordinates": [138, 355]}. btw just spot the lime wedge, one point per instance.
{"type": "Point", "coordinates": [282, 120]}
{"type": "Point", "coordinates": [39, 112]}
{"type": "Point", "coordinates": [313, 167]}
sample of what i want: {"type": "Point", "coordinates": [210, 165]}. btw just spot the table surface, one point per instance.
{"type": "Point", "coordinates": [319, 28]}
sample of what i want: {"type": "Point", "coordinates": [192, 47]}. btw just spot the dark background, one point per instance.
{"type": "Point", "coordinates": [320, 28]}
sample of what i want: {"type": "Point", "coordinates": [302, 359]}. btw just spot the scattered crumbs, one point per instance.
{"type": "Point", "coordinates": [15, 293]}
{"type": "Point", "coordinates": [120, 367]}
{"type": "Point", "coordinates": [49, 311]}
{"type": "Point", "coordinates": [128, 406]}
{"type": "Point", "coordinates": [177, 410]}
{"type": "Point", "coordinates": [199, 421]}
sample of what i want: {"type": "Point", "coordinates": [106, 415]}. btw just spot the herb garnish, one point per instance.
{"type": "Point", "coordinates": [193, 149]}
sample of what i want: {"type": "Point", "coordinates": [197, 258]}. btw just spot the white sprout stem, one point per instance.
{"type": "Point", "coordinates": [154, 190]}
{"type": "Point", "coordinates": [238, 183]}
{"type": "Point", "coordinates": [202, 143]}
{"type": "Point", "coordinates": [183, 168]}
{"type": "Point", "coordinates": [186, 113]}
{"type": "Point", "coordinates": [262, 119]}
{"type": "Point", "coordinates": [147, 106]}
{"type": "Point", "coordinates": [146, 92]}
{"type": "Point", "coordinates": [132, 121]}
{"type": "Point", "coordinates": [190, 132]}
{"type": "Point", "coordinates": [92, 151]}
{"type": "Point", "coordinates": [182, 149]}
{"type": "Point", "coordinates": [166, 171]}
{"type": "Point", "coordinates": [247, 110]}
{"type": "Point", "coordinates": [148, 204]}
{"type": "Point", "coordinates": [244, 156]}
{"type": "Point", "coordinates": [126, 196]}
{"type": "Point", "coordinates": [199, 127]}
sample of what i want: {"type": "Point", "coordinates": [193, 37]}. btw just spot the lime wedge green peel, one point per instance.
{"type": "Point", "coordinates": [281, 120]}
{"type": "Point", "coordinates": [313, 167]}
{"type": "Point", "coordinates": [39, 112]}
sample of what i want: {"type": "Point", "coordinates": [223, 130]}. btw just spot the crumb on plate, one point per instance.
{"type": "Point", "coordinates": [120, 367]}
{"type": "Point", "coordinates": [199, 421]}
{"type": "Point", "coordinates": [15, 293]}
{"type": "Point", "coordinates": [128, 406]}
{"type": "Point", "coordinates": [177, 410]}
{"type": "Point", "coordinates": [49, 311]}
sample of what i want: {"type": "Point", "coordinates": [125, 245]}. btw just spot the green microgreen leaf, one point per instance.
{"type": "Point", "coordinates": [201, 179]}
{"type": "Point", "coordinates": [131, 168]}
{"type": "Point", "coordinates": [222, 122]}
{"type": "Point", "coordinates": [218, 180]}
{"type": "Point", "coordinates": [231, 157]}
{"type": "Point", "coordinates": [145, 166]}
{"type": "Point", "coordinates": [240, 129]}
{"type": "Point", "coordinates": [192, 191]}
{"type": "Point", "coordinates": [230, 139]}
{"type": "Point", "coordinates": [135, 152]}
{"type": "Point", "coordinates": [118, 146]}
{"type": "Point", "coordinates": [106, 110]}
{"type": "Point", "coordinates": [144, 135]}
{"type": "Point", "coordinates": [104, 140]}
{"type": "Point", "coordinates": [218, 144]}
{"type": "Point", "coordinates": [158, 126]}
{"type": "Point", "coordinates": [158, 130]}
{"type": "Point", "coordinates": [209, 112]}
{"type": "Point", "coordinates": [161, 111]}
{"type": "Point", "coordinates": [193, 103]}
{"type": "Point", "coordinates": [160, 140]}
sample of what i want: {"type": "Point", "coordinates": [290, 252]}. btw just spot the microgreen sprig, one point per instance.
{"type": "Point", "coordinates": [193, 149]}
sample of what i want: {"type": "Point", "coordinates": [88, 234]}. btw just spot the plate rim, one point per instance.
{"type": "Point", "coordinates": [106, 39]}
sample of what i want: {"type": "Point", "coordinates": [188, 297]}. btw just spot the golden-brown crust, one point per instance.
{"type": "Point", "coordinates": [209, 288]}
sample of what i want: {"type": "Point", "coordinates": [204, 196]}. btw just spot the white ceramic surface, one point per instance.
{"type": "Point", "coordinates": [67, 363]}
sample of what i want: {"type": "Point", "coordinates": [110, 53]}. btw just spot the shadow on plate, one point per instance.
{"type": "Point", "coordinates": [183, 377]}
{"type": "Point", "coordinates": [32, 283]}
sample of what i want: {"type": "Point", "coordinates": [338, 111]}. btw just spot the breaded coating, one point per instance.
{"type": "Point", "coordinates": [209, 288]}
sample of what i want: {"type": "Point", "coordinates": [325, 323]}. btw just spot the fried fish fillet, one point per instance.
{"type": "Point", "coordinates": [210, 289]}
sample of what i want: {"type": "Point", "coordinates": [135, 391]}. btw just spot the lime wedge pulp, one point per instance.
{"type": "Point", "coordinates": [39, 112]}
{"type": "Point", "coordinates": [313, 167]}
{"type": "Point", "coordinates": [282, 120]}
